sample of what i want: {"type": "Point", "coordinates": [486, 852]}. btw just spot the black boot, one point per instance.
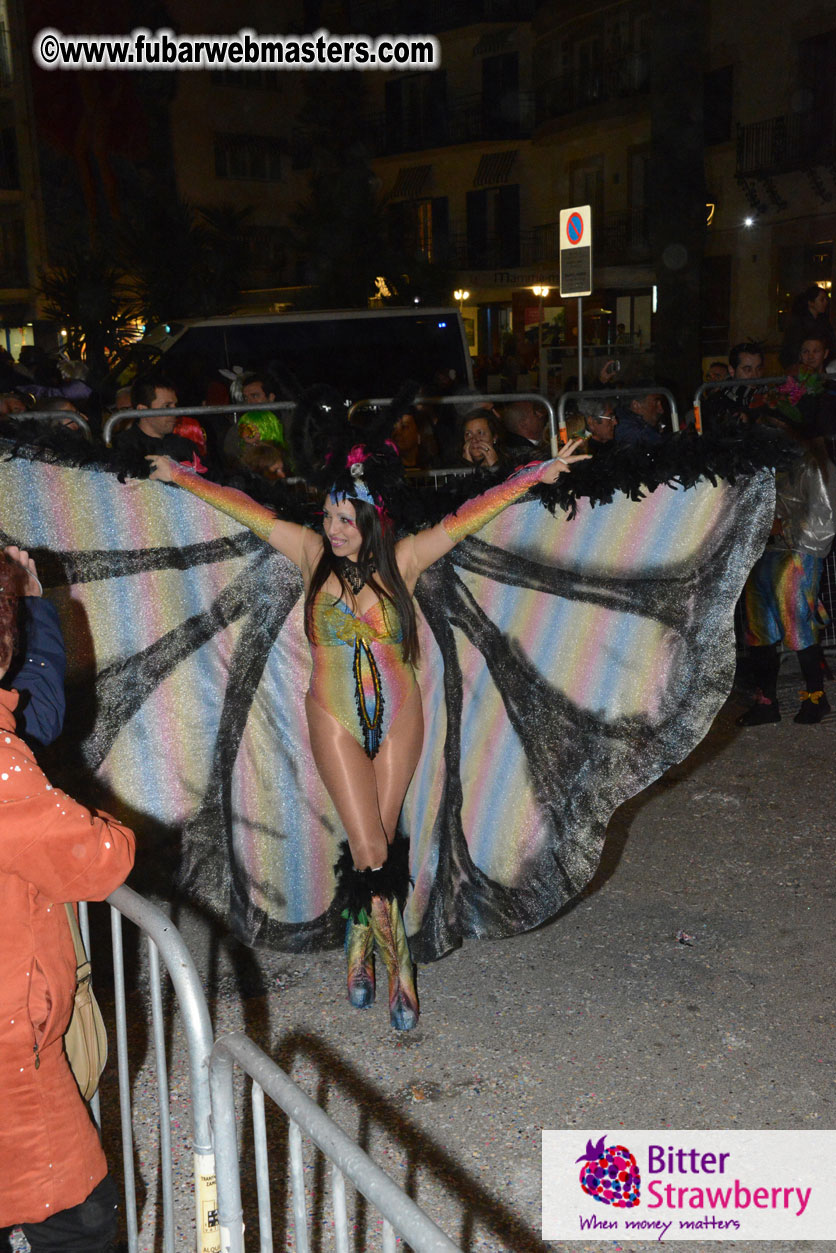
{"type": "Point", "coordinates": [764, 664]}
{"type": "Point", "coordinates": [814, 704]}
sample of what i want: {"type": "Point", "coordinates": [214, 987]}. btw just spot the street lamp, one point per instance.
{"type": "Point", "coordinates": [541, 292]}
{"type": "Point", "coordinates": [461, 295]}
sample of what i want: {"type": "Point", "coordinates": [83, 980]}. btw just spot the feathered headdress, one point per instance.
{"type": "Point", "coordinates": [355, 457]}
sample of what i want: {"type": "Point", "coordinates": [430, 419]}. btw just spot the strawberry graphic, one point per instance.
{"type": "Point", "coordinates": [610, 1175]}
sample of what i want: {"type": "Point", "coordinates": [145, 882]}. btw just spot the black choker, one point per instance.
{"type": "Point", "coordinates": [356, 576]}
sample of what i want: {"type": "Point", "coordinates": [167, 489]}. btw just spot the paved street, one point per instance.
{"type": "Point", "coordinates": [599, 1021]}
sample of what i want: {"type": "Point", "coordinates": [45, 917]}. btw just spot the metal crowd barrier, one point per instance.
{"type": "Point", "coordinates": [827, 594]}
{"type": "Point", "coordinates": [219, 1224]}
{"type": "Point", "coordinates": [724, 384]}
{"type": "Point", "coordinates": [503, 398]}
{"type": "Point", "coordinates": [348, 1161]}
{"type": "Point", "coordinates": [39, 415]}
{"type": "Point", "coordinates": [164, 939]}
{"type": "Point", "coordinates": [188, 411]}
{"type": "Point", "coordinates": [618, 394]}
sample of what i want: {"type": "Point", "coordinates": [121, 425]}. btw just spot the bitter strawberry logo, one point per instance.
{"type": "Point", "coordinates": [610, 1175]}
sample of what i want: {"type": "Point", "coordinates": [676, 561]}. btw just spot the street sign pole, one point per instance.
{"type": "Point", "coordinates": [576, 264]}
{"type": "Point", "coordinates": [580, 343]}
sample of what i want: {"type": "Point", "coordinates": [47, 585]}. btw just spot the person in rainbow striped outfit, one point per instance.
{"type": "Point", "coordinates": [363, 704]}
{"type": "Point", "coordinates": [780, 599]}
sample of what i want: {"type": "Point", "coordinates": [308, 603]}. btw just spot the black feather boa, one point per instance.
{"type": "Point", "coordinates": [355, 888]}
{"type": "Point", "coordinates": [634, 470]}
{"type": "Point", "coordinates": [681, 461]}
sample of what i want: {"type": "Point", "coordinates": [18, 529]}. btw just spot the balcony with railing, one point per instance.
{"type": "Point", "coordinates": [471, 118]}
{"type": "Point", "coordinates": [622, 238]}
{"type": "Point", "coordinates": [618, 239]}
{"type": "Point", "coordinates": [614, 79]}
{"type": "Point", "coordinates": [781, 145]}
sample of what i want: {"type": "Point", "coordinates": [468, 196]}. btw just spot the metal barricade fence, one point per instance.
{"type": "Point", "coordinates": [164, 940]}
{"type": "Point", "coordinates": [189, 411]}
{"type": "Point", "coordinates": [218, 1210]}
{"type": "Point", "coordinates": [616, 394]}
{"type": "Point", "coordinates": [827, 595]}
{"type": "Point", "coordinates": [57, 415]}
{"type": "Point", "coordinates": [348, 1161]}
{"type": "Point", "coordinates": [753, 386]}
{"type": "Point", "coordinates": [557, 425]}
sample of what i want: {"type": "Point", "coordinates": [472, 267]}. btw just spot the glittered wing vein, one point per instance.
{"type": "Point", "coordinates": [122, 688]}
{"type": "Point", "coordinates": [433, 907]}
{"type": "Point", "coordinates": [212, 866]}
{"type": "Point", "coordinates": [627, 594]}
{"type": "Point", "coordinates": [542, 718]}
{"type": "Point", "coordinates": [59, 568]}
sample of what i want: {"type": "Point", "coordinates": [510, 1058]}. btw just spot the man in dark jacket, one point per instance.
{"type": "Point", "coordinates": [152, 434]}
{"type": "Point", "coordinates": [638, 420]}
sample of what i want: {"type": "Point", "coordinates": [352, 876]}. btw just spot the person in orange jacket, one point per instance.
{"type": "Point", "coordinates": [53, 1174]}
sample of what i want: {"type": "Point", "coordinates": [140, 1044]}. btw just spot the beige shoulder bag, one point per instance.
{"type": "Point", "coordinates": [85, 1040]}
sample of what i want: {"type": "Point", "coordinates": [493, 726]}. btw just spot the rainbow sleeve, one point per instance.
{"type": "Point", "coordinates": [238, 505]}
{"type": "Point", "coordinates": [473, 514]}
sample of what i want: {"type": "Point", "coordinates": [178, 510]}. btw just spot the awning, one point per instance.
{"type": "Point", "coordinates": [495, 168]}
{"type": "Point", "coordinates": [412, 183]}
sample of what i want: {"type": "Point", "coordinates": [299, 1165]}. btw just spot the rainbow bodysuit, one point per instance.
{"type": "Point", "coordinates": [359, 675]}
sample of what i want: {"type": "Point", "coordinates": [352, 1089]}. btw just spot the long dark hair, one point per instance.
{"type": "Point", "coordinates": [9, 591]}
{"type": "Point", "coordinates": [377, 545]}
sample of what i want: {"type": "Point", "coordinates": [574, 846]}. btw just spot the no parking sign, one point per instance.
{"type": "Point", "coordinates": [576, 251]}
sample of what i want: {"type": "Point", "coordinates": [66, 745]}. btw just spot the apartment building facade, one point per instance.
{"type": "Point", "coordinates": [546, 106]}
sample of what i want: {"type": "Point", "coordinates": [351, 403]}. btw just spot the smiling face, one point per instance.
{"type": "Point", "coordinates": [339, 521]}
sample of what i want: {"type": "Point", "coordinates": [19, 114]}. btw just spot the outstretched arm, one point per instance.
{"type": "Point", "coordinates": [427, 546]}
{"type": "Point", "coordinates": [289, 538]}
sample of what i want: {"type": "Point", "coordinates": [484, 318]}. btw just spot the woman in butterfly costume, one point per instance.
{"type": "Point", "coordinates": [363, 704]}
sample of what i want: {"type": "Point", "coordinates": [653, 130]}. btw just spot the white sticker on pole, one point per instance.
{"type": "Point", "coordinates": [576, 251]}
{"type": "Point", "coordinates": [206, 1203]}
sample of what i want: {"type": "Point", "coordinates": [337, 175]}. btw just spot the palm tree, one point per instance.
{"type": "Point", "coordinates": [89, 296]}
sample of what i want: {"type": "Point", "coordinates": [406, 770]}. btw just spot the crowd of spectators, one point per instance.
{"type": "Point", "coordinates": [469, 432]}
